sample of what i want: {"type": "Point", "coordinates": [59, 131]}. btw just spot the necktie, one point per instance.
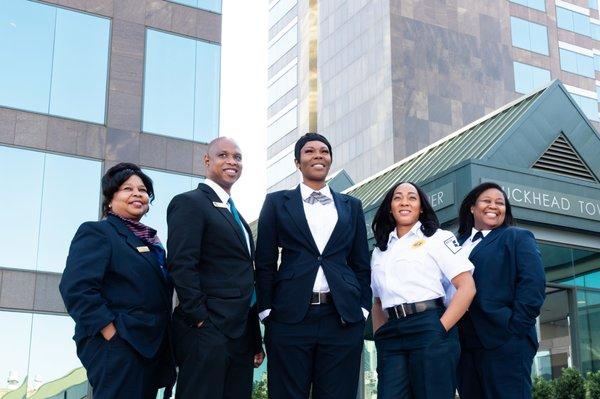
{"type": "Point", "coordinates": [236, 217]}
{"type": "Point", "coordinates": [477, 236]}
{"type": "Point", "coordinates": [317, 196]}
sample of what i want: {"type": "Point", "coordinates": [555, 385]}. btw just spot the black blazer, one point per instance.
{"type": "Point", "coordinates": [510, 282]}
{"type": "Point", "coordinates": [108, 279]}
{"type": "Point", "coordinates": [345, 259]}
{"type": "Point", "coordinates": [209, 261]}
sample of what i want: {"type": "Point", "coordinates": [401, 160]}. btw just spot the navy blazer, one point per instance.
{"type": "Point", "coordinates": [345, 259]}
{"type": "Point", "coordinates": [109, 278]}
{"type": "Point", "coordinates": [510, 281]}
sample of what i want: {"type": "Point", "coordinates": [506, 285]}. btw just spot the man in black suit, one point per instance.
{"type": "Point", "coordinates": [216, 336]}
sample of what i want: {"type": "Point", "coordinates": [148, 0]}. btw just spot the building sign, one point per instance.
{"type": "Point", "coordinates": [442, 197]}
{"type": "Point", "coordinates": [550, 201]}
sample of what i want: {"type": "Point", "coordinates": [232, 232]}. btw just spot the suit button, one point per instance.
{"type": "Point", "coordinates": [320, 258]}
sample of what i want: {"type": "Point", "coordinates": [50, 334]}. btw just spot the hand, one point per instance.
{"type": "Point", "coordinates": [258, 359]}
{"type": "Point", "coordinates": [109, 331]}
{"type": "Point", "coordinates": [200, 324]}
{"type": "Point", "coordinates": [444, 325]}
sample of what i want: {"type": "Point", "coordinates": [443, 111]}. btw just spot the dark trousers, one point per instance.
{"type": "Point", "coordinates": [502, 372]}
{"type": "Point", "coordinates": [211, 365]}
{"type": "Point", "coordinates": [117, 371]}
{"type": "Point", "coordinates": [320, 351]}
{"type": "Point", "coordinates": [417, 358]}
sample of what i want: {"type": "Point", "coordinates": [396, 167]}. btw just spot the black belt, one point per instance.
{"type": "Point", "coordinates": [318, 298]}
{"type": "Point", "coordinates": [406, 309]}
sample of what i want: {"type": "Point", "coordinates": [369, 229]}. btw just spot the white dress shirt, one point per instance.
{"type": "Point", "coordinates": [414, 267]}
{"type": "Point", "coordinates": [224, 197]}
{"type": "Point", "coordinates": [321, 221]}
{"type": "Point", "coordinates": [469, 244]}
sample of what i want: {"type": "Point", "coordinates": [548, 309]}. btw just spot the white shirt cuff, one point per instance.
{"type": "Point", "coordinates": [365, 313]}
{"type": "Point", "coordinates": [263, 315]}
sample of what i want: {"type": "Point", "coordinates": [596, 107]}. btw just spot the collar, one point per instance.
{"type": "Point", "coordinates": [221, 193]}
{"type": "Point", "coordinates": [474, 231]}
{"type": "Point", "coordinates": [306, 191]}
{"type": "Point", "coordinates": [415, 230]}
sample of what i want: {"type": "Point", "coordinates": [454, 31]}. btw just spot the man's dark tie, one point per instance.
{"type": "Point", "coordinates": [238, 220]}
{"type": "Point", "coordinates": [477, 236]}
{"type": "Point", "coordinates": [317, 196]}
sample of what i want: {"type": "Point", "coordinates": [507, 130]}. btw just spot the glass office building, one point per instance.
{"type": "Point", "coordinates": [393, 77]}
{"type": "Point", "coordinates": [81, 89]}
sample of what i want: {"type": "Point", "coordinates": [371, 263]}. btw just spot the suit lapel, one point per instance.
{"type": "Point", "coordinates": [295, 208]}
{"type": "Point", "coordinates": [134, 242]}
{"type": "Point", "coordinates": [485, 241]}
{"type": "Point", "coordinates": [213, 197]}
{"type": "Point", "coordinates": [343, 210]}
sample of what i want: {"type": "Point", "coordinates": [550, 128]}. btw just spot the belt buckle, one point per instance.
{"type": "Point", "coordinates": [318, 299]}
{"type": "Point", "coordinates": [401, 306]}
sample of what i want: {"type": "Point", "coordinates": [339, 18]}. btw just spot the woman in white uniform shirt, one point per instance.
{"type": "Point", "coordinates": [417, 343]}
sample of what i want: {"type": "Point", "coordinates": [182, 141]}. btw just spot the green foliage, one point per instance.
{"type": "Point", "coordinates": [542, 389]}
{"type": "Point", "coordinates": [259, 389]}
{"type": "Point", "coordinates": [570, 385]}
{"type": "Point", "coordinates": [592, 384]}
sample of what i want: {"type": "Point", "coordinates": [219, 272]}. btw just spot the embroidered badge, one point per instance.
{"type": "Point", "coordinates": [220, 205]}
{"type": "Point", "coordinates": [417, 244]}
{"type": "Point", "coordinates": [143, 249]}
{"type": "Point", "coordinates": [452, 244]}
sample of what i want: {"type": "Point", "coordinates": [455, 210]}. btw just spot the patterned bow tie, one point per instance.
{"type": "Point", "coordinates": [317, 196]}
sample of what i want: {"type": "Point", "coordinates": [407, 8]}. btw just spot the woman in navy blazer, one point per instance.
{"type": "Point", "coordinates": [498, 334]}
{"type": "Point", "coordinates": [116, 288]}
{"type": "Point", "coordinates": [315, 301]}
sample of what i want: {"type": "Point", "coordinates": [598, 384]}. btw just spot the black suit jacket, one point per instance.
{"type": "Point", "coordinates": [209, 261]}
{"type": "Point", "coordinates": [345, 260]}
{"type": "Point", "coordinates": [510, 282]}
{"type": "Point", "coordinates": [107, 279]}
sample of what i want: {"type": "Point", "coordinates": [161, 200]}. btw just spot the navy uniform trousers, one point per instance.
{"type": "Point", "coordinates": [117, 371]}
{"type": "Point", "coordinates": [417, 358]}
{"type": "Point", "coordinates": [321, 349]}
{"type": "Point", "coordinates": [503, 372]}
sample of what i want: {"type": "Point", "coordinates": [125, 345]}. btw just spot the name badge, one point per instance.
{"type": "Point", "coordinates": [220, 205]}
{"type": "Point", "coordinates": [418, 244]}
{"type": "Point", "coordinates": [143, 249]}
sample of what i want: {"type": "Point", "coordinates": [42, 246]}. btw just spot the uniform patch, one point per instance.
{"type": "Point", "coordinates": [452, 245]}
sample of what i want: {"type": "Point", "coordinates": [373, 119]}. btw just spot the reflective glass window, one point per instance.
{"type": "Point", "coordinates": [285, 43]}
{"type": "Point", "coordinates": [79, 71]}
{"type": "Point", "coordinates": [58, 60]}
{"type": "Point", "coordinates": [53, 357]}
{"type": "Point", "coordinates": [279, 10]}
{"type": "Point", "coordinates": [573, 21]}
{"type": "Point", "coordinates": [528, 77]}
{"type": "Point", "coordinates": [597, 62]}
{"type": "Point", "coordinates": [181, 87]}
{"type": "Point", "coordinates": [580, 64]}
{"type": "Point", "coordinates": [589, 106]}
{"type": "Point", "coordinates": [44, 221]}
{"type": "Point", "coordinates": [593, 4]}
{"type": "Point", "coordinates": [281, 168]}
{"type": "Point", "coordinates": [281, 86]}
{"type": "Point", "coordinates": [166, 186]}
{"type": "Point", "coordinates": [529, 36]}
{"type": "Point", "coordinates": [536, 4]}
{"type": "Point", "coordinates": [14, 346]}
{"type": "Point", "coordinates": [588, 307]}
{"type": "Point", "coordinates": [282, 126]}
{"type": "Point", "coordinates": [210, 5]}
{"type": "Point", "coordinates": [595, 30]}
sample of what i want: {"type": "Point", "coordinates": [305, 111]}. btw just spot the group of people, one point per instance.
{"type": "Point", "coordinates": [447, 313]}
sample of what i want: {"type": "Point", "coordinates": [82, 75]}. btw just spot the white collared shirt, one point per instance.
{"type": "Point", "coordinates": [469, 244]}
{"type": "Point", "coordinates": [414, 267]}
{"type": "Point", "coordinates": [321, 221]}
{"type": "Point", "coordinates": [224, 197]}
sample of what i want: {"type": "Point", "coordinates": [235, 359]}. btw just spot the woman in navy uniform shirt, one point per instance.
{"type": "Point", "coordinates": [417, 343]}
{"type": "Point", "coordinates": [116, 288]}
{"type": "Point", "coordinates": [498, 337]}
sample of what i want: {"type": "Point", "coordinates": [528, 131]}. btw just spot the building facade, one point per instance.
{"type": "Point", "coordinates": [383, 79]}
{"type": "Point", "coordinates": [85, 84]}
